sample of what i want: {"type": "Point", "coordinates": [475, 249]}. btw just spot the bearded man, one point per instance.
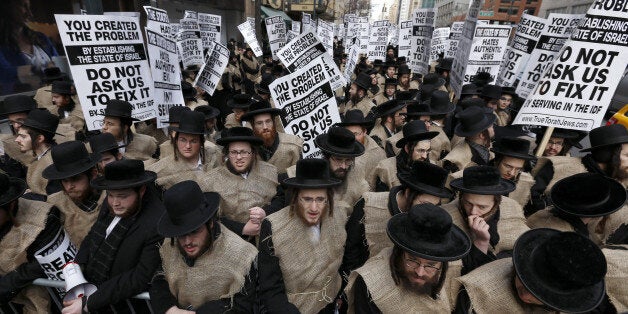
{"type": "Point", "coordinates": [389, 89]}
{"type": "Point", "coordinates": [239, 104]}
{"type": "Point", "coordinates": [512, 158]}
{"type": "Point", "coordinates": [403, 77]}
{"type": "Point", "coordinates": [476, 127]}
{"type": "Point", "coordinates": [391, 117]}
{"type": "Point", "coordinates": [105, 145]}
{"type": "Point", "coordinates": [358, 98]}
{"type": "Point", "coordinates": [68, 109]}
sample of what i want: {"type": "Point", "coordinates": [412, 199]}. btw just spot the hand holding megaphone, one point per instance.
{"type": "Point", "coordinates": [76, 286]}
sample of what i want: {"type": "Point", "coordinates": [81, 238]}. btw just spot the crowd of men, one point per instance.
{"type": "Point", "coordinates": [423, 201]}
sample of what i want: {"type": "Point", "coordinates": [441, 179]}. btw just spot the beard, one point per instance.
{"type": "Point", "coordinates": [204, 247]}
{"type": "Point", "coordinates": [133, 209]}
{"type": "Point", "coordinates": [78, 197]}
{"type": "Point", "coordinates": [355, 98]}
{"type": "Point", "coordinates": [301, 214]}
{"type": "Point", "coordinates": [267, 135]}
{"type": "Point", "coordinates": [419, 289]}
{"type": "Point", "coordinates": [340, 173]}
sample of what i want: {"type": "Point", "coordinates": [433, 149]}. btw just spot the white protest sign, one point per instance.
{"type": "Point", "coordinates": [352, 61]}
{"type": "Point", "coordinates": [439, 42]}
{"type": "Point", "coordinates": [189, 25]}
{"type": "Point", "coordinates": [307, 23]}
{"type": "Point", "coordinates": [162, 52]}
{"type": "Point", "coordinates": [528, 32]}
{"type": "Point", "coordinates": [209, 25]}
{"type": "Point", "coordinates": [378, 41]}
{"type": "Point", "coordinates": [307, 103]}
{"type": "Point", "coordinates": [405, 39]}
{"type": "Point", "coordinates": [248, 32]}
{"type": "Point", "coordinates": [276, 30]}
{"type": "Point", "coordinates": [108, 61]}
{"type": "Point", "coordinates": [454, 36]}
{"type": "Point", "coordinates": [290, 35]}
{"type": "Point", "coordinates": [422, 29]}
{"type": "Point", "coordinates": [190, 15]}
{"type": "Point", "coordinates": [158, 21]}
{"type": "Point", "coordinates": [576, 89]}
{"type": "Point", "coordinates": [296, 27]}
{"type": "Point", "coordinates": [351, 30]}
{"type": "Point", "coordinates": [211, 72]}
{"type": "Point", "coordinates": [363, 33]}
{"type": "Point", "coordinates": [191, 48]}
{"type": "Point", "coordinates": [487, 50]}
{"type": "Point", "coordinates": [339, 31]}
{"type": "Point", "coordinates": [463, 49]}
{"type": "Point", "coordinates": [54, 255]}
{"type": "Point", "coordinates": [559, 27]}
{"type": "Point", "coordinates": [325, 33]}
{"type": "Point", "coordinates": [393, 34]}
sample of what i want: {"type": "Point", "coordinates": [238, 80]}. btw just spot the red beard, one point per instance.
{"type": "Point", "coordinates": [267, 136]}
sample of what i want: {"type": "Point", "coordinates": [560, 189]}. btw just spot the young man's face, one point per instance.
{"type": "Point", "coordinates": [510, 167]}
{"type": "Point", "coordinates": [114, 126]}
{"type": "Point", "coordinates": [340, 166]}
{"type": "Point", "coordinates": [240, 156]}
{"type": "Point", "coordinates": [421, 151]}
{"type": "Point", "coordinates": [554, 146]}
{"type": "Point", "coordinates": [124, 203]}
{"type": "Point", "coordinates": [60, 100]}
{"type": "Point", "coordinates": [390, 90]}
{"type": "Point", "coordinates": [77, 187]}
{"type": "Point", "coordinates": [505, 101]}
{"type": "Point", "coordinates": [400, 118]}
{"type": "Point", "coordinates": [107, 158]}
{"type": "Point", "coordinates": [195, 242]}
{"type": "Point", "coordinates": [477, 204]}
{"type": "Point", "coordinates": [312, 205]}
{"type": "Point", "coordinates": [390, 71]}
{"type": "Point", "coordinates": [24, 140]}
{"type": "Point", "coordinates": [264, 128]}
{"type": "Point", "coordinates": [404, 79]}
{"type": "Point", "coordinates": [358, 131]}
{"type": "Point", "coordinates": [189, 146]}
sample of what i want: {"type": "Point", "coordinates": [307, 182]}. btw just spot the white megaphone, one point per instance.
{"type": "Point", "coordinates": [76, 286]}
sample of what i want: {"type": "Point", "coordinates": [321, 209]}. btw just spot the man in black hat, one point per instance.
{"type": "Point", "coordinates": [42, 95]}
{"type": "Point", "coordinates": [358, 97]}
{"type": "Point", "coordinates": [234, 73]}
{"type": "Point", "coordinates": [174, 118]}
{"type": "Point", "coordinates": [105, 145]}
{"type": "Point", "coordinates": [549, 271]}
{"type": "Point", "coordinates": [211, 120]}
{"type": "Point", "coordinates": [78, 201]}
{"type": "Point", "coordinates": [118, 120]}
{"type": "Point", "coordinates": [192, 96]}
{"type": "Point", "coordinates": [493, 221]}
{"type": "Point", "coordinates": [302, 245]}
{"type": "Point", "coordinates": [26, 226]}
{"type": "Point", "coordinates": [16, 109]}
{"type": "Point", "coordinates": [512, 158]}
{"type": "Point", "coordinates": [418, 273]}
{"type": "Point", "coordinates": [66, 106]}
{"type": "Point", "coordinates": [120, 253]}
{"type": "Point", "coordinates": [262, 89]}
{"type": "Point", "coordinates": [199, 271]}
{"type": "Point", "coordinates": [403, 77]}
{"type": "Point", "coordinates": [391, 119]}
{"type": "Point", "coordinates": [239, 104]}
{"type": "Point", "coordinates": [389, 89]}
{"type": "Point", "coordinates": [476, 127]}
{"type": "Point", "coordinates": [560, 143]}
{"type": "Point", "coordinates": [506, 104]}
{"type": "Point", "coordinates": [251, 68]}
{"type": "Point", "coordinates": [279, 149]}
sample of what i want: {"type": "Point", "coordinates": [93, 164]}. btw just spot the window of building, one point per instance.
{"type": "Point", "coordinates": [531, 10]}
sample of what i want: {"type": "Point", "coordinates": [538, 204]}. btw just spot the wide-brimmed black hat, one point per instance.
{"type": "Point", "coordinates": [263, 86]}
{"type": "Point", "coordinates": [53, 74]}
{"type": "Point", "coordinates": [339, 142]}
{"type": "Point", "coordinates": [426, 178]}
{"type": "Point", "coordinates": [427, 231]}
{"type": "Point", "coordinates": [10, 188]}
{"type": "Point", "coordinates": [607, 135]}
{"type": "Point", "coordinates": [356, 117]}
{"type": "Point", "coordinates": [388, 108]}
{"type": "Point", "coordinates": [415, 131]}
{"type": "Point", "coordinates": [470, 89]}
{"type": "Point", "coordinates": [433, 79]}
{"type": "Point", "coordinates": [363, 80]}
{"type": "Point", "coordinates": [391, 81]}
{"type": "Point", "coordinates": [18, 103]}
{"type": "Point", "coordinates": [564, 270]}
{"type": "Point", "coordinates": [312, 173]}
{"type": "Point", "coordinates": [104, 142]}
{"type": "Point", "coordinates": [42, 120]}
{"type": "Point", "coordinates": [588, 195]}
{"type": "Point", "coordinates": [425, 93]}
{"type": "Point", "coordinates": [416, 110]}
{"type": "Point", "coordinates": [406, 97]}
{"type": "Point", "coordinates": [378, 63]}
{"type": "Point", "coordinates": [69, 159]}
{"type": "Point", "coordinates": [188, 90]}
{"type": "Point", "coordinates": [260, 107]}
{"type": "Point", "coordinates": [403, 69]}
{"type": "Point", "coordinates": [209, 111]}
{"type": "Point", "coordinates": [491, 91]}
{"type": "Point", "coordinates": [240, 101]}
{"type": "Point", "coordinates": [481, 78]}
{"type": "Point", "coordinates": [440, 103]}
{"type": "Point", "coordinates": [401, 60]}
{"type": "Point", "coordinates": [123, 174]}
{"type": "Point", "coordinates": [444, 65]}
{"type": "Point", "coordinates": [61, 87]}
{"type": "Point", "coordinates": [119, 109]}
{"type": "Point", "coordinates": [472, 102]}
{"type": "Point", "coordinates": [187, 208]}
{"type": "Point", "coordinates": [192, 122]}
{"type": "Point", "coordinates": [174, 113]}
{"type": "Point", "coordinates": [509, 90]}
{"type": "Point", "coordinates": [473, 120]}
{"type": "Point", "coordinates": [571, 137]}
{"type": "Point", "coordinates": [484, 180]}
{"type": "Point", "coordinates": [389, 64]}
{"type": "Point", "coordinates": [238, 134]}
{"type": "Point", "coordinates": [513, 147]}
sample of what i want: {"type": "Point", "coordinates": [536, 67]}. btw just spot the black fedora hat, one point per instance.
{"type": "Point", "coordinates": [444, 65]}
{"type": "Point", "coordinates": [606, 136]}
{"type": "Point", "coordinates": [119, 109]}
{"type": "Point", "coordinates": [570, 136]}
{"type": "Point", "coordinates": [425, 93]}
{"type": "Point", "coordinates": [491, 91]}
{"type": "Point", "coordinates": [416, 110]}
{"type": "Point", "coordinates": [240, 101]}
{"type": "Point", "coordinates": [427, 178]}
{"type": "Point", "coordinates": [440, 103]}
{"type": "Point", "coordinates": [484, 180]}
{"type": "Point", "coordinates": [564, 270]}
{"type": "Point", "coordinates": [402, 60]}
{"type": "Point", "coordinates": [188, 90]}
{"type": "Point", "coordinates": [187, 208]}
{"type": "Point", "coordinates": [18, 103]}
{"type": "Point", "coordinates": [123, 174]}
{"type": "Point", "coordinates": [174, 114]}
{"type": "Point", "coordinates": [588, 195]}
{"type": "Point", "coordinates": [406, 97]}
{"type": "Point", "coordinates": [391, 81]}
{"type": "Point", "coordinates": [415, 131]}
{"type": "Point", "coordinates": [104, 142]}
{"type": "Point", "coordinates": [260, 107]}
{"type": "Point", "coordinates": [433, 79]}
{"type": "Point", "coordinates": [312, 173]}
{"type": "Point", "coordinates": [209, 111]}
{"type": "Point", "coordinates": [509, 90]}
{"type": "Point", "coordinates": [378, 63]}
{"type": "Point", "coordinates": [403, 69]}
{"type": "Point", "coordinates": [470, 89]}
{"type": "Point", "coordinates": [513, 147]}
{"type": "Point", "coordinates": [356, 117]}
{"type": "Point", "coordinates": [192, 122]}
{"type": "Point", "coordinates": [363, 80]}
{"type": "Point", "coordinates": [388, 108]}
{"type": "Point", "coordinates": [10, 188]}
{"type": "Point", "coordinates": [61, 87]}
{"type": "Point", "coordinates": [69, 159]}
{"type": "Point", "coordinates": [390, 64]}
{"type": "Point", "coordinates": [238, 134]}
{"type": "Point", "coordinates": [53, 74]}
{"type": "Point", "coordinates": [339, 142]}
{"type": "Point", "coordinates": [427, 231]}
{"type": "Point", "coordinates": [472, 102]}
{"type": "Point", "coordinates": [481, 78]}
{"type": "Point", "coordinates": [473, 120]}
{"type": "Point", "coordinates": [42, 120]}
{"type": "Point", "coordinates": [263, 86]}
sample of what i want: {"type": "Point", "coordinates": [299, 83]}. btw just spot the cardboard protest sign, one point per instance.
{"type": "Point", "coordinates": [158, 21]}
{"type": "Point", "coordinates": [405, 39]}
{"type": "Point", "coordinates": [351, 30]}
{"type": "Point", "coordinates": [559, 27]}
{"type": "Point", "coordinates": [452, 42]}
{"type": "Point", "coordinates": [296, 27]}
{"type": "Point", "coordinates": [164, 66]}
{"type": "Point", "coordinates": [464, 47]}
{"type": "Point", "coordinates": [276, 30]}
{"type": "Point", "coordinates": [209, 25]}
{"type": "Point", "coordinates": [352, 62]}
{"type": "Point", "coordinates": [378, 41]}
{"type": "Point", "coordinates": [189, 25]}
{"type": "Point", "coordinates": [248, 32]}
{"type": "Point", "coordinates": [54, 255]}
{"type": "Point", "coordinates": [439, 42]}
{"type": "Point", "coordinates": [576, 88]}
{"type": "Point", "coordinates": [325, 33]}
{"type": "Point", "coordinates": [528, 32]}
{"type": "Point", "coordinates": [363, 33]}
{"type": "Point", "coordinates": [108, 61]}
{"type": "Point", "coordinates": [307, 103]}
{"type": "Point", "coordinates": [487, 50]}
{"type": "Point", "coordinates": [211, 72]}
{"type": "Point", "coordinates": [191, 48]}
{"type": "Point", "coordinates": [422, 29]}
{"type": "Point", "coordinates": [339, 31]}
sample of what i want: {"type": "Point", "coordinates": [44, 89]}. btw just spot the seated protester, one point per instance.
{"type": "Point", "coordinates": [493, 221]}
{"type": "Point", "coordinates": [550, 271]}
{"type": "Point", "coordinates": [174, 118]}
{"type": "Point", "coordinates": [211, 116]}
{"type": "Point", "coordinates": [414, 146]}
{"type": "Point", "coordinates": [191, 152]}
{"type": "Point", "coordinates": [389, 69]}
{"type": "Point", "coordinates": [408, 99]}
{"type": "Point", "coordinates": [279, 149]}
{"type": "Point", "coordinates": [389, 88]}
{"type": "Point", "coordinates": [358, 96]}
{"type": "Point", "coordinates": [560, 143]}
{"type": "Point", "coordinates": [26, 226]}
{"type": "Point", "coordinates": [492, 95]}
{"type": "Point", "coordinates": [16, 109]}
{"type": "Point", "coordinates": [199, 270]}
{"type": "Point", "coordinates": [476, 126]}
{"type": "Point", "coordinates": [120, 253]}
{"type": "Point", "coordinates": [105, 145]}
{"type": "Point", "coordinates": [66, 106]}
{"type": "Point", "coordinates": [436, 82]}
{"type": "Point", "coordinates": [36, 137]}
{"type": "Point", "coordinates": [239, 104]}
{"type": "Point", "coordinates": [390, 118]}
{"type": "Point", "coordinates": [579, 204]}
{"type": "Point", "coordinates": [608, 143]}
{"type": "Point", "coordinates": [302, 245]}
{"type": "Point", "coordinates": [149, 127]}
{"type": "Point", "coordinates": [78, 201]}
{"type": "Point", "coordinates": [356, 123]}
{"type": "Point", "coordinates": [419, 184]}
{"type": "Point", "coordinates": [191, 95]}
{"type": "Point", "coordinates": [416, 275]}
{"type": "Point", "coordinates": [118, 121]}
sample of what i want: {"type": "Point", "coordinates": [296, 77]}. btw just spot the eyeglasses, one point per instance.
{"type": "Point", "coordinates": [342, 161]}
{"type": "Point", "coordinates": [356, 134]}
{"type": "Point", "coordinates": [309, 200]}
{"type": "Point", "coordinates": [243, 153]}
{"type": "Point", "coordinates": [506, 99]}
{"type": "Point", "coordinates": [262, 123]}
{"type": "Point", "coordinates": [552, 143]}
{"type": "Point", "coordinates": [430, 269]}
